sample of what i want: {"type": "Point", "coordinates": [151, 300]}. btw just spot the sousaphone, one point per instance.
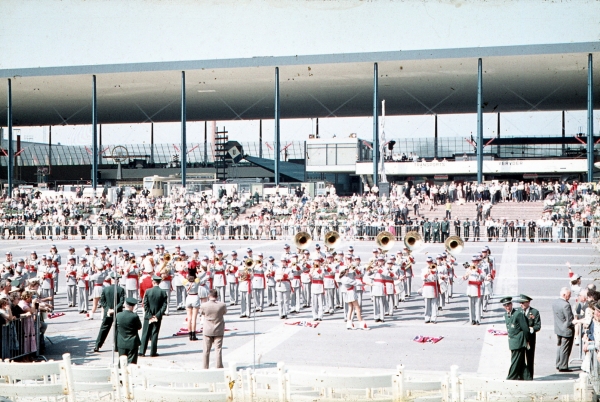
{"type": "Point", "coordinates": [385, 240]}
{"type": "Point", "coordinates": [413, 240]}
{"type": "Point", "coordinates": [454, 245]}
{"type": "Point", "coordinates": [302, 240]}
{"type": "Point", "coordinates": [332, 240]}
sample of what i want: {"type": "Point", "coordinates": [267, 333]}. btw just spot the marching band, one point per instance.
{"type": "Point", "coordinates": [322, 281]}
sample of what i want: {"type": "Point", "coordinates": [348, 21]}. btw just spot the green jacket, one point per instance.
{"type": "Point", "coordinates": [518, 330]}
{"type": "Point", "coordinates": [534, 321]}
{"type": "Point", "coordinates": [436, 226]}
{"type": "Point", "coordinates": [128, 325]}
{"type": "Point", "coordinates": [445, 226]}
{"type": "Point", "coordinates": [427, 226]}
{"type": "Point", "coordinates": [466, 224]}
{"type": "Point", "coordinates": [155, 303]}
{"type": "Point", "coordinates": [107, 298]}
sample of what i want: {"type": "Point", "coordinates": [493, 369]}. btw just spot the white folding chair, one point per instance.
{"type": "Point", "coordinates": [102, 381]}
{"type": "Point", "coordinates": [30, 380]}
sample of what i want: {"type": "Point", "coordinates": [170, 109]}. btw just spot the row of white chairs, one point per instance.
{"type": "Point", "coordinates": [64, 381]}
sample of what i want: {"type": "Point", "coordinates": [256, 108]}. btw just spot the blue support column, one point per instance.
{"type": "Point", "coordinates": [94, 135]}
{"type": "Point", "coordinates": [183, 133]}
{"type": "Point", "coordinates": [276, 146]}
{"type": "Point", "coordinates": [479, 122]}
{"type": "Point", "coordinates": [375, 124]}
{"type": "Point", "coordinates": [590, 125]}
{"type": "Point", "coordinates": [9, 173]}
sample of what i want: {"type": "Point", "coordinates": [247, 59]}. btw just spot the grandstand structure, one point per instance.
{"type": "Point", "coordinates": [334, 76]}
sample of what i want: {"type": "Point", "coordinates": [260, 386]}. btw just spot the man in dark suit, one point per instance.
{"type": "Point", "coordinates": [564, 329]}
{"type": "Point", "coordinates": [107, 301]}
{"type": "Point", "coordinates": [155, 305]}
{"type": "Point", "coordinates": [535, 324]}
{"type": "Point", "coordinates": [518, 336]}
{"type": "Point", "coordinates": [128, 325]}
{"type": "Point", "coordinates": [214, 327]}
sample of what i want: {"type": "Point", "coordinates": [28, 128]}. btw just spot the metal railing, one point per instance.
{"type": "Point", "coordinates": [20, 338]}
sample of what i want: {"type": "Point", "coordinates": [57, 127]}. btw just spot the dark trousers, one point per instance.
{"type": "Point", "coordinates": [150, 333]}
{"type": "Point", "coordinates": [107, 323]}
{"type": "Point", "coordinates": [466, 232]}
{"type": "Point", "coordinates": [565, 344]}
{"type": "Point", "coordinates": [530, 358]}
{"type": "Point", "coordinates": [518, 368]}
{"type": "Point", "coordinates": [132, 355]}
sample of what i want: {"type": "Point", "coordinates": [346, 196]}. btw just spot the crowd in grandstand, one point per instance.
{"type": "Point", "coordinates": [568, 213]}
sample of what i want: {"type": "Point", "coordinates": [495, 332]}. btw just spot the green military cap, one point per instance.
{"type": "Point", "coordinates": [506, 300]}
{"type": "Point", "coordinates": [132, 301]}
{"type": "Point", "coordinates": [523, 298]}
{"type": "Point", "coordinates": [156, 278]}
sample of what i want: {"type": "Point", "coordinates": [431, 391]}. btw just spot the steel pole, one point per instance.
{"type": "Point", "coordinates": [375, 123]}
{"type": "Point", "coordinates": [9, 165]}
{"type": "Point", "coordinates": [183, 133]}
{"type": "Point", "coordinates": [94, 136]}
{"type": "Point", "coordinates": [277, 128]}
{"type": "Point", "coordinates": [590, 125]}
{"type": "Point", "coordinates": [479, 122]}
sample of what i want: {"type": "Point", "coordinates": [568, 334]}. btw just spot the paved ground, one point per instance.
{"type": "Point", "coordinates": [537, 270]}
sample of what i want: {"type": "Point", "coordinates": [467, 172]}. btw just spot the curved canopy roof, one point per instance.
{"type": "Point", "coordinates": [516, 78]}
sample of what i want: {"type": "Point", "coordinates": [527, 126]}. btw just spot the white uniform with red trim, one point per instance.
{"type": "Point", "coordinates": [474, 279]}
{"type": "Point", "coordinates": [430, 294]}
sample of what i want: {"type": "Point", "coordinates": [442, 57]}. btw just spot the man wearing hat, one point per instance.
{"type": "Point", "coordinates": [232, 280]}
{"type": "Point", "coordinates": [431, 291]}
{"type": "Point", "coordinates": [107, 301]}
{"type": "Point", "coordinates": [128, 325]}
{"type": "Point", "coordinates": [83, 273]}
{"type": "Point", "coordinates": [518, 337]}
{"type": "Point", "coordinates": [155, 305]}
{"type": "Point", "coordinates": [71, 281]}
{"type": "Point", "coordinates": [535, 324]}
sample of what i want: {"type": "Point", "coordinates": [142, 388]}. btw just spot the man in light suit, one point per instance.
{"type": "Point", "coordinates": [564, 329]}
{"type": "Point", "coordinates": [214, 327]}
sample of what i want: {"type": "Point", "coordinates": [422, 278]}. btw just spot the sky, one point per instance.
{"type": "Point", "coordinates": [46, 33]}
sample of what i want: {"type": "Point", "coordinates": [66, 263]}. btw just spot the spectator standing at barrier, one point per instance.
{"type": "Point", "coordinates": [535, 324]}
{"type": "Point", "coordinates": [518, 340]}
{"type": "Point", "coordinates": [564, 329]}
{"type": "Point", "coordinates": [155, 305]}
{"type": "Point", "coordinates": [128, 325]}
{"type": "Point", "coordinates": [214, 327]}
{"type": "Point", "coordinates": [107, 302]}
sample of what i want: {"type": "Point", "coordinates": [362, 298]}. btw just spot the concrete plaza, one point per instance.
{"type": "Point", "coordinates": [535, 269]}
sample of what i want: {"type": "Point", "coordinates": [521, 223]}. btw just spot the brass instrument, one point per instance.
{"type": "Point", "coordinates": [413, 240]}
{"type": "Point", "coordinates": [249, 263]}
{"type": "Point", "coordinates": [454, 245]}
{"type": "Point", "coordinates": [163, 268]}
{"type": "Point", "coordinates": [332, 240]}
{"type": "Point", "coordinates": [385, 240]}
{"type": "Point", "coordinates": [302, 240]}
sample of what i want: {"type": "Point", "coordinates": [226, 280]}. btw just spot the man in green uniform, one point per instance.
{"type": "Point", "coordinates": [155, 305]}
{"type": "Point", "coordinates": [436, 230]}
{"type": "Point", "coordinates": [427, 230]}
{"type": "Point", "coordinates": [457, 227]}
{"type": "Point", "coordinates": [535, 323]}
{"type": "Point", "coordinates": [107, 301]}
{"type": "Point", "coordinates": [445, 227]}
{"type": "Point", "coordinates": [466, 227]}
{"type": "Point", "coordinates": [518, 336]}
{"type": "Point", "coordinates": [128, 325]}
